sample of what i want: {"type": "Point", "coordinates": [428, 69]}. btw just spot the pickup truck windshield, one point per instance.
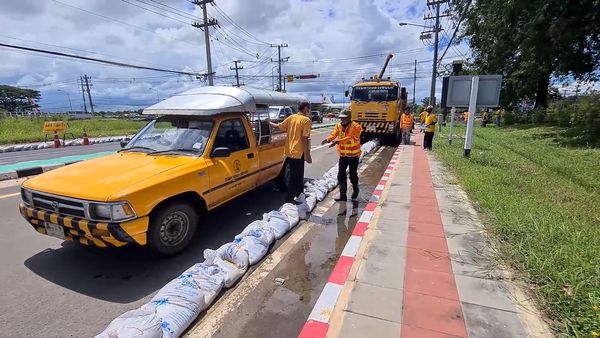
{"type": "Point", "coordinates": [172, 134]}
{"type": "Point", "coordinates": [380, 93]}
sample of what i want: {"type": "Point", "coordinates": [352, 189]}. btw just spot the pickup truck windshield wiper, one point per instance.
{"type": "Point", "coordinates": [183, 150]}
{"type": "Point", "coordinates": [136, 148]}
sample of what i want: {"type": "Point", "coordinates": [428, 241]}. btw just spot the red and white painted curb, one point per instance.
{"type": "Point", "coordinates": [318, 321]}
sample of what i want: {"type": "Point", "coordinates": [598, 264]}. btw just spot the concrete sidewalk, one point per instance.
{"type": "Point", "coordinates": [424, 267]}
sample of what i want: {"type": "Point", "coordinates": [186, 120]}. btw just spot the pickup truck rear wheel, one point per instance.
{"type": "Point", "coordinates": [172, 228]}
{"type": "Point", "coordinates": [283, 180]}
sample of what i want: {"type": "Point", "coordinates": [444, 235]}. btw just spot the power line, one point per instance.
{"type": "Point", "coordinates": [460, 19]}
{"type": "Point", "coordinates": [155, 12]}
{"type": "Point", "coordinates": [233, 44]}
{"type": "Point", "coordinates": [227, 18]}
{"type": "Point", "coordinates": [170, 9]}
{"type": "Point", "coordinates": [103, 16]}
{"type": "Point", "coordinates": [73, 49]}
{"type": "Point", "coordinates": [113, 63]}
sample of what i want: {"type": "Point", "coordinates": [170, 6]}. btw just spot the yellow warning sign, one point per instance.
{"type": "Point", "coordinates": [55, 126]}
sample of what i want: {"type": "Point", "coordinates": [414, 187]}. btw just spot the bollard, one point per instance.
{"type": "Point", "coordinates": [56, 140]}
{"type": "Point", "coordinates": [86, 140]}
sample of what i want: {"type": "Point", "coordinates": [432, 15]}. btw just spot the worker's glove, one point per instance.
{"type": "Point", "coordinates": [333, 143]}
{"type": "Point", "coordinates": [324, 141]}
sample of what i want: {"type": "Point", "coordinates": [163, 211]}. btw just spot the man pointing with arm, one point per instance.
{"type": "Point", "coordinates": [346, 136]}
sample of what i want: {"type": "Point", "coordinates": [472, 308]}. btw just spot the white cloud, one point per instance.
{"type": "Point", "coordinates": [319, 30]}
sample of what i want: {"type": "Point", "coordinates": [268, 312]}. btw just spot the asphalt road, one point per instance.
{"type": "Point", "coordinates": [52, 288]}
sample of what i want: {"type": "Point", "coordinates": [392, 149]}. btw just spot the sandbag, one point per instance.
{"type": "Point", "coordinates": [311, 201]}
{"type": "Point", "coordinates": [230, 258]}
{"type": "Point", "coordinates": [142, 322]}
{"type": "Point", "coordinates": [210, 278]}
{"type": "Point", "coordinates": [178, 303]}
{"type": "Point", "coordinates": [291, 213]}
{"type": "Point", "coordinates": [318, 188]}
{"type": "Point", "coordinates": [278, 222]}
{"type": "Point", "coordinates": [255, 248]}
{"type": "Point", "coordinates": [331, 183]}
{"type": "Point", "coordinates": [302, 207]}
{"type": "Point", "coordinates": [259, 229]}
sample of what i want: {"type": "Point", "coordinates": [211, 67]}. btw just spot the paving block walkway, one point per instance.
{"type": "Point", "coordinates": [424, 267]}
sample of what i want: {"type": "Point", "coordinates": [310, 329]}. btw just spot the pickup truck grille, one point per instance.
{"type": "Point", "coordinates": [59, 205]}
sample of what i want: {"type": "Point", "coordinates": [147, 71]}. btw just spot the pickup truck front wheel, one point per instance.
{"type": "Point", "coordinates": [172, 228]}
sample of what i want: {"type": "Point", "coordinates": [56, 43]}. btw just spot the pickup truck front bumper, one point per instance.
{"type": "Point", "coordinates": [87, 232]}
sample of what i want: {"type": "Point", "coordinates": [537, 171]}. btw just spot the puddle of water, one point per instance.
{"type": "Point", "coordinates": [284, 308]}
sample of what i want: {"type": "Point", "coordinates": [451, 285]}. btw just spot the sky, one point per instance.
{"type": "Point", "coordinates": [341, 41]}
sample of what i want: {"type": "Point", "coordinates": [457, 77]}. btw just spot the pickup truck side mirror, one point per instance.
{"type": "Point", "coordinates": [346, 93]}
{"type": "Point", "coordinates": [220, 152]}
{"type": "Point", "coordinates": [123, 143]}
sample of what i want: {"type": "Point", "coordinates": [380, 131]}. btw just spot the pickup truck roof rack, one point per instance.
{"type": "Point", "coordinates": [214, 100]}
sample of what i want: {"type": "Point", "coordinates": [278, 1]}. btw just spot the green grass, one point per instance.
{"type": "Point", "coordinates": [543, 205]}
{"type": "Point", "coordinates": [22, 130]}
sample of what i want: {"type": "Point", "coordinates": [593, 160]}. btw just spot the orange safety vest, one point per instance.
{"type": "Point", "coordinates": [351, 145]}
{"type": "Point", "coordinates": [406, 121]}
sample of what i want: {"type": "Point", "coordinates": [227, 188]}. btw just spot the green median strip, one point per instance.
{"type": "Point", "coordinates": [54, 161]}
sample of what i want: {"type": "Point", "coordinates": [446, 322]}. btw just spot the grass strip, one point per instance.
{"type": "Point", "coordinates": [542, 203]}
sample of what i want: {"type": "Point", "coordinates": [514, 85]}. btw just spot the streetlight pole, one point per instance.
{"type": "Point", "coordinates": [435, 54]}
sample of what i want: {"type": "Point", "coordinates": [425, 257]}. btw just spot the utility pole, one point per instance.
{"type": "Point", "coordinates": [87, 86]}
{"type": "Point", "coordinates": [415, 85]}
{"type": "Point", "coordinates": [204, 26]}
{"type": "Point", "coordinates": [279, 60]}
{"type": "Point", "coordinates": [83, 94]}
{"type": "Point", "coordinates": [236, 68]}
{"type": "Point", "coordinates": [436, 31]}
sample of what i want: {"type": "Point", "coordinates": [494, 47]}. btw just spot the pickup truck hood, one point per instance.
{"type": "Point", "coordinates": [98, 179]}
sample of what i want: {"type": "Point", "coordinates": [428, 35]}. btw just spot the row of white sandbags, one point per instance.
{"type": "Point", "coordinates": [179, 302]}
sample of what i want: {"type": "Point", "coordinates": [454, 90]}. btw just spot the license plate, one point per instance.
{"type": "Point", "coordinates": [54, 230]}
{"type": "Point", "coordinates": [371, 128]}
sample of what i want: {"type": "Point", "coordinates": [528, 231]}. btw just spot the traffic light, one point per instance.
{"type": "Point", "coordinates": [290, 78]}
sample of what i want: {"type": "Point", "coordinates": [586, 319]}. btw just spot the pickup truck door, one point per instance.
{"type": "Point", "coordinates": [234, 175]}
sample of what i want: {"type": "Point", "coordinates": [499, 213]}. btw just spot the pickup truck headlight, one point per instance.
{"type": "Point", "coordinates": [117, 211]}
{"type": "Point", "coordinates": [391, 127]}
{"type": "Point", "coordinates": [27, 197]}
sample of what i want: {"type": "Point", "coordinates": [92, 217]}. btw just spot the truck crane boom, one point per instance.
{"type": "Point", "coordinates": [387, 60]}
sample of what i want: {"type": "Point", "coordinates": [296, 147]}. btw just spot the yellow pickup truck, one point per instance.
{"type": "Point", "coordinates": [208, 146]}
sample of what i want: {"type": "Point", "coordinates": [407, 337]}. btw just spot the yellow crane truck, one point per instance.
{"type": "Point", "coordinates": [376, 104]}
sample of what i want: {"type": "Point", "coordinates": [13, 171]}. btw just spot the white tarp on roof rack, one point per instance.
{"type": "Point", "coordinates": [212, 100]}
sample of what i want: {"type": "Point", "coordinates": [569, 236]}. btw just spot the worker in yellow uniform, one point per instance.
{"type": "Point", "coordinates": [498, 116]}
{"type": "Point", "coordinates": [430, 121]}
{"type": "Point", "coordinates": [297, 148]}
{"type": "Point", "coordinates": [346, 136]}
{"type": "Point", "coordinates": [422, 117]}
{"type": "Point", "coordinates": [466, 116]}
{"type": "Point", "coordinates": [485, 118]}
{"type": "Point", "coordinates": [406, 124]}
